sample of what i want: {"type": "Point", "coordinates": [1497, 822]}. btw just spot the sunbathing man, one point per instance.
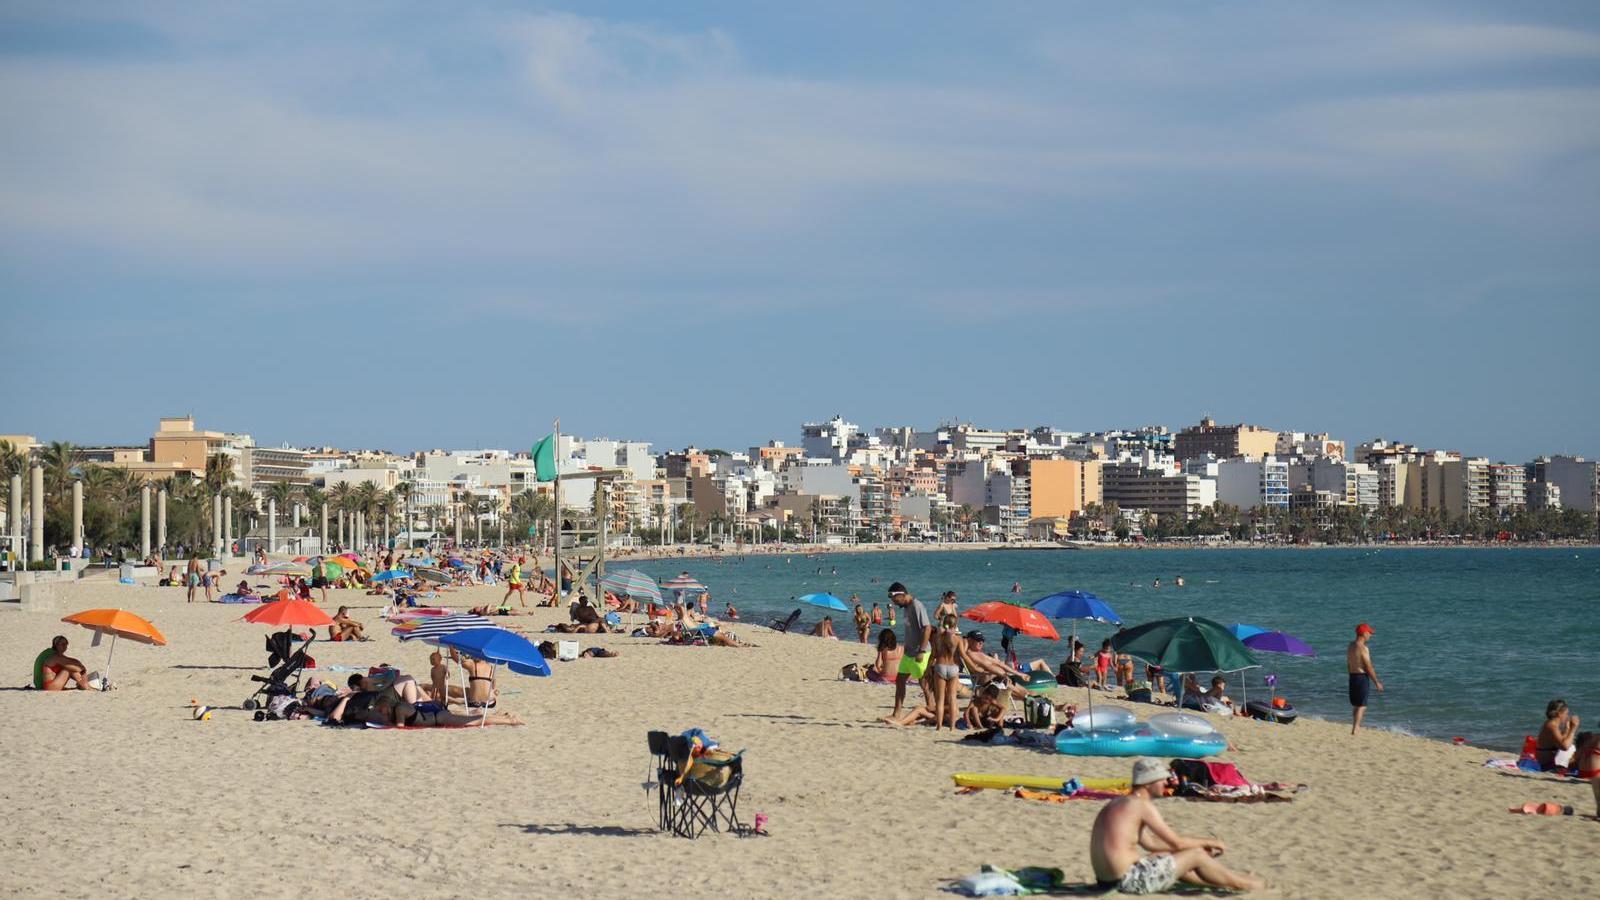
{"type": "Point", "coordinates": [345, 628]}
{"type": "Point", "coordinates": [1133, 850]}
{"type": "Point", "coordinates": [53, 669]}
{"type": "Point", "coordinates": [983, 667]}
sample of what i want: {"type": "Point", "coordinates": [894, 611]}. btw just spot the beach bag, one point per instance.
{"type": "Point", "coordinates": [706, 772]}
{"type": "Point", "coordinates": [1038, 712]}
{"type": "Point", "coordinates": [853, 672]}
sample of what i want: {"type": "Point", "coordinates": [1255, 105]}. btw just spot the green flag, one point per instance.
{"type": "Point", "coordinates": [544, 458]}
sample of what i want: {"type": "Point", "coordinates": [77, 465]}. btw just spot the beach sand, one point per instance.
{"type": "Point", "coordinates": [126, 795]}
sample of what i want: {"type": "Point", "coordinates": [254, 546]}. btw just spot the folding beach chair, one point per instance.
{"type": "Point", "coordinates": [785, 624]}
{"type": "Point", "coordinates": [665, 775]}
{"type": "Point", "coordinates": [706, 794]}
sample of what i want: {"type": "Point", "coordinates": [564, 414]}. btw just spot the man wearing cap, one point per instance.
{"type": "Point", "coordinates": [918, 644]}
{"type": "Point", "coordinates": [1363, 677]}
{"type": "Point", "coordinates": [1133, 850]}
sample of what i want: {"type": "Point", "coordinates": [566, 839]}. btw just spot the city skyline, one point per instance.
{"type": "Point", "coordinates": [789, 439]}
{"type": "Point", "coordinates": [689, 223]}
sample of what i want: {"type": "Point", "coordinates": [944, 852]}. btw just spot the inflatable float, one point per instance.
{"type": "Point", "coordinates": [1035, 782]}
{"type": "Point", "coordinates": [1113, 731]}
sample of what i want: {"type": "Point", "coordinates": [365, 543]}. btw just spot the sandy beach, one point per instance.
{"type": "Point", "coordinates": [125, 795]}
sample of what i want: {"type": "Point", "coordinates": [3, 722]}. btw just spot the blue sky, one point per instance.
{"type": "Point", "coordinates": [380, 224]}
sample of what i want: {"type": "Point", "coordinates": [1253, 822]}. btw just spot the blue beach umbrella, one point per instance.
{"type": "Point", "coordinates": [1077, 605]}
{"type": "Point", "coordinates": [390, 575]}
{"type": "Point", "coordinates": [826, 601]}
{"type": "Point", "coordinates": [417, 561]}
{"type": "Point", "coordinates": [1242, 631]}
{"type": "Point", "coordinates": [500, 647]}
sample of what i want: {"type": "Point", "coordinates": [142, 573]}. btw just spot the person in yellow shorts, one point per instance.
{"type": "Point", "coordinates": [918, 644]}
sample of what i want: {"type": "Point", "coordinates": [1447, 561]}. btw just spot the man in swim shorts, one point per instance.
{"type": "Point", "coordinates": [1133, 850]}
{"type": "Point", "coordinates": [1363, 677]}
{"type": "Point", "coordinates": [918, 643]}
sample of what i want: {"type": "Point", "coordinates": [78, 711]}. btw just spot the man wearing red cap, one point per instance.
{"type": "Point", "coordinates": [1363, 677]}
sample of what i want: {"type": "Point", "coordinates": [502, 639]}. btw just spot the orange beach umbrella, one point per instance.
{"type": "Point", "coordinates": [117, 623]}
{"type": "Point", "coordinates": [288, 613]}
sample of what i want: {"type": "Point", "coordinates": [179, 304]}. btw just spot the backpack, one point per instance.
{"type": "Point", "coordinates": [1038, 712]}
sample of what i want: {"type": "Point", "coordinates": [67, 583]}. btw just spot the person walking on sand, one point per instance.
{"type": "Point", "coordinates": [1363, 677]}
{"type": "Point", "coordinates": [514, 584]}
{"type": "Point", "coordinates": [1133, 850]}
{"type": "Point", "coordinates": [192, 576]}
{"type": "Point", "coordinates": [918, 640]}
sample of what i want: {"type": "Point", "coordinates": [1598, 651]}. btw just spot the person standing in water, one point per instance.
{"type": "Point", "coordinates": [1363, 677]}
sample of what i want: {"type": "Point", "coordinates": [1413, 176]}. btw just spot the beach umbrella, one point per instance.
{"type": "Point", "coordinates": [1075, 605]}
{"type": "Point", "coordinates": [499, 647]}
{"type": "Point", "coordinates": [1024, 619]}
{"type": "Point", "coordinates": [1278, 642]}
{"type": "Point", "coordinates": [826, 601]}
{"type": "Point", "coordinates": [301, 559]}
{"type": "Point", "coordinates": [631, 583]}
{"type": "Point", "coordinates": [288, 613]}
{"type": "Point", "coordinates": [429, 629]}
{"type": "Point", "coordinates": [1242, 631]}
{"type": "Point", "coordinates": [341, 562]}
{"type": "Point", "coordinates": [391, 575]}
{"type": "Point", "coordinates": [433, 575]}
{"type": "Point", "coordinates": [683, 584]}
{"type": "Point", "coordinates": [1190, 644]}
{"type": "Point", "coordinates": [284, 568]}
{"type": "Point", "coordinates": [417, 561]}
{"type": "Point", "coordinates": [117, 623]}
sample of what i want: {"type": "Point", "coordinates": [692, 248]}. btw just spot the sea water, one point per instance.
{"type": "Point", "coordinates": [1470, 642]}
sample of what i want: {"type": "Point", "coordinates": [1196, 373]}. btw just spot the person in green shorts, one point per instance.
{"type": "Point", "coordinates": [918, 643]}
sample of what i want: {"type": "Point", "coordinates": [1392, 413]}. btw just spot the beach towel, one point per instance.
{"type": "Point", "coordinates": [235, 598]}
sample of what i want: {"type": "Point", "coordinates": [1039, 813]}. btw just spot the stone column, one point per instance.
{"type": "Point", "coordinates": [322, 536]}
{"type": "Point", "coordinates": [216, 524]}
{"type": "Point", "coordinates": [458, 525]}
{"type": "Point", "coordinates": [227, 526]}
{"type": "Point", "coordinates": [272, 525]}
{"type": "Point", "coordinates": [144, 523]}
{"type": "Point", "coordinates": [295, 515]}
{"type": "Point", "coordinates": [36, 525]}
{"type": "Point", "coordinates": [386, 529]}
{"type": "Point", "coordinates": [77, 518]}
{"type": "Point", "coordinates": [161, 520]}
{"type": "Point", "coordinates": [341, 528]}
{"type": "Point", "coordinates": [14, 510]}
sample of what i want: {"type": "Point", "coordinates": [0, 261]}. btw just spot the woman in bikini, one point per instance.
{"type": "Point", "coordinates": [888, 662]}
{"type": "Point", "coordinates": [945, 667]}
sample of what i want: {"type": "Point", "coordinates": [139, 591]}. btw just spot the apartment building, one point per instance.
{"type": "Point", "coordinates": [1577, 480]}
{"type": "Point", "coordinates": [1252, 483]}
{"type": "Point", "coordinates": [1225, 441]}
{"type": "Point", "coordinates": [1132, 486]}
{"type": "Point", "coordinates": [1062, 488]}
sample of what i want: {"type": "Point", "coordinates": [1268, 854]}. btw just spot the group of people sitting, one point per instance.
{"type": "Point", "coordinates": [388, 697]}
{"type": "Point", "coordinates": [681, 624]}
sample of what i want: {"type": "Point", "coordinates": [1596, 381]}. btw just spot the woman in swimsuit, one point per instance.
{"type": "Point", "coordinates": [1559, 732]}
{"type": "Point", "coordinates": [888, 662]}
{"type": "Point", "coordinates": [481, 693]}
{"type": "Point", "coordinates": [944, 664]}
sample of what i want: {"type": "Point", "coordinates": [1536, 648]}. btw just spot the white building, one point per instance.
{"type": "Point", "coordinates": [1249, 483]}
{"type": "Point", "coordinates": [828, 440]}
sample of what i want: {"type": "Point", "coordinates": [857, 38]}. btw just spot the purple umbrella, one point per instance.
{"type": "Point", "coordinates": [1278, 642]}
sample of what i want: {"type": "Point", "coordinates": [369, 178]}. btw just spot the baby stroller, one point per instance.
{"type": "Point", "coordinates": [287, 662]}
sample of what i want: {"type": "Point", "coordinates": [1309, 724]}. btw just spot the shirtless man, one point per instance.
{"type": "Point", "coordinates": [981, 665]}
{"type": "Point", "coordinates": [1363, 677]}
{"type": "Point", "coordinates": [1133, 850]}
{"type": "Point", "coordinates": [193, 576]}
{"type": "Point", "coordinates": [57, 670]}
{"type": "Point", "coordinates": [345, 628]}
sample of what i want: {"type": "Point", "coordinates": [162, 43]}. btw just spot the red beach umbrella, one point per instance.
{"type": "Point", "coordinates": [1025, 620]}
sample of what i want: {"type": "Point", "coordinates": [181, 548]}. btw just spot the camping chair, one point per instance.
{"type": "Point", "coordinates": [785, 624]}
{"type": "Point", "coordinates": [706, 794]}
{"type": "Point", "coordinates": [698, 636]}
{"type": "Point", "coordinates": [666, 777]}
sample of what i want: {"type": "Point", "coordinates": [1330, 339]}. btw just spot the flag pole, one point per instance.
{"type": "Point", "coordinates": [555, 540]}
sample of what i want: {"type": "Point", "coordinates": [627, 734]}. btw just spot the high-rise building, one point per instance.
{"type": "Point", "coordinates": [1576, 479]}
{"type": "Point", "coordinates": [1224, 441]}
{"type": "Point", "coordinates": [1252, 483]}
{"type": "Point", "coordinates": [1061, 488]}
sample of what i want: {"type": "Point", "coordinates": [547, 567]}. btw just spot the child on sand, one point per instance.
{"type": "Point", "coordinates": [945, 670]}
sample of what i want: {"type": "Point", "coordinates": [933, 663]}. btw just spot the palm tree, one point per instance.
{"type": "Point", "coordinates": [402, 493]}
{"type": "Point", "coordinates": [60, 461]}
{"type": "Point", "coordinates": [690, 515]}
{"type": "Point", "coordinates": [12, 462]}
{"type": "Point", "coordinates": [283, 495]}
{"type": "Point", "coordinates": [219, 472]}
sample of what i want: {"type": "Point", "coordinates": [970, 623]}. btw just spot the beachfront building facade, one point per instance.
{"type": "Point", "coordinates": [1575, 479]}
{"type": "Point", "coordinates": [1253, 483]}
{"type": "Point", "coordinates": [1225, 441]}
{"type": "Point", "coordinates": [1063, 488]}
{"type": "Point", "coordinates": [263, 466]}
{"type": "Point", "coordinates": [1132, 487]}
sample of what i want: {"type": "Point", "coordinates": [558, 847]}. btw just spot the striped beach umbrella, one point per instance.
{"type": "Point", "coordinates": [683, 582]}
{"type": "Point", "coordinates": [431, 628]}
{"type": "Point", "coordinates": [631, 583]}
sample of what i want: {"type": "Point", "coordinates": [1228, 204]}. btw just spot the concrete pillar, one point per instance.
{"type": "Point", "coordinates": [458, 526]}
{"type": "Point", "coordinates": [227, 526]}
{"type": "Point", "coordinates": [295, 516]}
{"type": "Point", "coordinates": [36, 523]}
{"type": "Point", "coordinates": [341, 528]}
{"type": "Point", "coordinates": [272, 525]}
{"type": "Point", "coordinates": [77, 518]}
{"type": "Point", "coordinates": [322, 536]}
{"type": "Point", "coordinates": [144, 523]}
{"type": "Point", "coordinates": [386, 537]}
{"type": "Point", "coordinates": [14, 511]}
{"type": "Point", "coordinates": [216, 524]}
{"type": "Point", "coordinates": [161, 519]}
